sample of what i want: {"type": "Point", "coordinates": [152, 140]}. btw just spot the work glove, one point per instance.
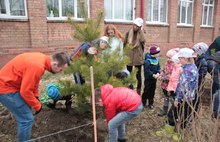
{"type": "Point", "coordinates": [36, 112]}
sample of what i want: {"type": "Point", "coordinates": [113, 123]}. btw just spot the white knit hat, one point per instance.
{"type": "Point", "coordinates": [186, 52]}
{"type": "Point", "coordinates": [200, 48]}
{"type": "Point", "coordinates": [172, 52]}
{"type": "Point", "coordinates": [104, 38]}
{"type": "Point", "coordinates": [139, 22]}
{"type": "Point", "coordinates": [175, 58]}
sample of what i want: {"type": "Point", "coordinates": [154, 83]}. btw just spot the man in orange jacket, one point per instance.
{"type": "Point", "coordinates": [121, 105]}
{"type": "Point", "coordinates": [19, 81]}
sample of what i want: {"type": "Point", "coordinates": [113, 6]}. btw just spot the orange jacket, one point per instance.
{"type": "Point", "coordinates": [22, 74]}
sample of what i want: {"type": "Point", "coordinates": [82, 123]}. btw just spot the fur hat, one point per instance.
{"type": "Point", "coordinates": [154, 49]}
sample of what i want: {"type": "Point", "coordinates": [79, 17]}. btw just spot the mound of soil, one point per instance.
{"type": "Point", "coordinates": [54, 125]}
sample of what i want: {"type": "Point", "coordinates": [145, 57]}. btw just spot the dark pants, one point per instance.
{"type": "Point", "coordinates": [78, 78]}
{"type": "Point", "coordinates": [181, 114]}
{"type": "Point", "coordinates": [214, 69]}
{"type": "Point", "coordinates": [138, 75]}
{"type": "Point", "coordinates": [149, 91]}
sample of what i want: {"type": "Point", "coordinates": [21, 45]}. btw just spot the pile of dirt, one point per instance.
{"type": "Point", "coordinates": [55, 125]}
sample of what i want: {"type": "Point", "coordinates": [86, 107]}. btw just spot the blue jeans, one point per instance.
{"type": "Point", "coordinates": [22, 113]}
{"type": "Point", "coordinates": [116, 126]}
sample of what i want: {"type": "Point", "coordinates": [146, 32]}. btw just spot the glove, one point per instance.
{"type": "Point", "coordinates": [38, 111]}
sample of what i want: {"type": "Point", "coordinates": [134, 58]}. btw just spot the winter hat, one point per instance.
{"type": "Point", "coordinates": [154, 49]}
{"type": "Point", "coordinates": [139, 22]}
{"type": "Point", "coordinates": [186, 53]}
{"type": "Point", "coordinates": [53, 91]}
{"type": "Point", "coordinates": [172, 52]}
{"type": "Point", "coordinates": [200, 48]}
{"type": "Point", "coordinates": [175, 58]}
{"type": "Point", "coordinates": [104, 38]}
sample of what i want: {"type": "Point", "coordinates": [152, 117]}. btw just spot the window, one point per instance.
{"type": "Point", "coordinates": [157, 11]}
{"type": "Point", "coordinates": [207, 12]}
{"type": "Point", "coordinates": [61, 9]}
{"type": "Point", "coordinates": [119, 10]}
{"type": "Point", "coordinates": [13, 9]}
{"type": "Point", "coordinates": [185, 9]}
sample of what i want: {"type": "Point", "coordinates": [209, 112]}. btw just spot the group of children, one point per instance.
{"type": "Point", "coordinates": [182, 78]}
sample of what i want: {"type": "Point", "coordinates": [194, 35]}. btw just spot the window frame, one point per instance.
{"type": "Point", "coordinates": [159, 15]}
{"type": "Point", "coordinates": [8, 11]}
{"type": "Point", "coordinates": [185, 24]}
{"type": "Point", "coordinates": [208, 6]}
{"type": "Point", "coordinates": [120, 20]}
{"type": "Point", "coordinates": [61, 18]}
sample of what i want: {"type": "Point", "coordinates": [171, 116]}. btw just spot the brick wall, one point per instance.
{"type": "Point", "coordinates": [38, 34]}
{"type": "Point", "coordinates": [14, 35]}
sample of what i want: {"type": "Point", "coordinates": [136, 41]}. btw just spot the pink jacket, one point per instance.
{"type": "Point", "coordinates": [166, 73]}
{"type": "Point", "coordinates": [174, 78]}
{"type": "Point", "coordinates": [118, 99]}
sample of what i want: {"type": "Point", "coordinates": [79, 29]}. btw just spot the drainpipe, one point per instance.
{"type": "Point", "coordinates": [142, 9]}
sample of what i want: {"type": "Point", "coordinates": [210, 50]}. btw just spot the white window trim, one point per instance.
{"type": "Point", "coordinates": [158, 22]}
{"type": "Point", "coordinates": [8, 16]}
{"type": "Point", "coordinates": [63, 18]}
{"type": "Point", "coordinates": [121, 20]}
{"type": "Point", "coordinates": [185, 24]}
{"type": "Point", "coordinates": [208, 5]}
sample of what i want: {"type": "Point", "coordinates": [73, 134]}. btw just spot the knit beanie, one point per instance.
{"type": "Point", "coordinates": [53, 91]}
{"type": "Point", "coordinates": [172, 52]}
{"type": "Point", "coordinates": [175, 58]}
{"type": "Point", "coordinates": [154, 49]}
{"type": "Point", "coordinates": [200, 48]}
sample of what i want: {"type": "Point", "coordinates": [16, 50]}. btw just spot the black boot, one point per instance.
{"type": "Point", "coordinates": [164, 111]}
{"type": "Point", "coordinates": [52, 105]}
{"type": "Point", "coordinates": [68, 103]}
{"type": "Point", "coordinates": [121, 140]}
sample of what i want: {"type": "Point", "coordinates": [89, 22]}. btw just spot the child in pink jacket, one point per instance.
{"type": "Point", "coordinates": [166, 80]}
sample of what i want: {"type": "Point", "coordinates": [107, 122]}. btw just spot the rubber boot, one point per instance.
{"type": "Point", "coordinates": [164, 111]}
{"type": "Point", "coordinates": [167, 130]}
{"type": "Point", "coordinates": [52, 104]}
{"type": "Point", "coordinates": [121, 140]}
{"type": "Point", "coordinates": [68, 104]}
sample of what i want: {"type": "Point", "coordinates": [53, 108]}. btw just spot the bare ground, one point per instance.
{"type": "Point", "coordinates": [59, 126]}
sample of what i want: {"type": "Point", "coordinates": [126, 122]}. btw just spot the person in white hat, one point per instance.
{"type": "Point", "coordinates": [135, 38]}
{"type": "Point", "coordinates": [182, 109]}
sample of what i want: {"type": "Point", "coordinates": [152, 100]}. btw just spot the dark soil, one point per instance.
{"type": "Point", "coordinates": [56, 125]}
{"type": "Point", "coordinates": [52, 125]}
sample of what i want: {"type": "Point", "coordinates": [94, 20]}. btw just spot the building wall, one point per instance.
{"type": "Point", "coordinates": [39, 34]}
